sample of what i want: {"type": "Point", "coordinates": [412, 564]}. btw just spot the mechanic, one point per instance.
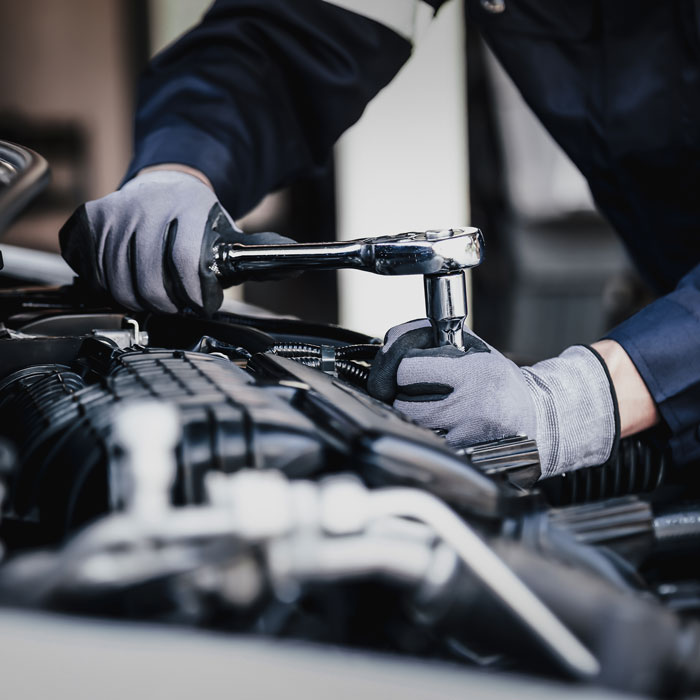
{"type": "Point", "coordinates": [257, 94]}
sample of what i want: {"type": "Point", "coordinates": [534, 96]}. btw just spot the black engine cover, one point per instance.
{"type": "Point", "coordinates": [60, 419]}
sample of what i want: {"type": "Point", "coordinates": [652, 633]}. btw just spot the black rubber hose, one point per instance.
{"type": "Point", "coordinates": [308, 361]}
{"type": "Point", "coordinates": [362, 351]}
{"type": "Point", "coordinates": [357, 352]}
{"type": "Point", "coordinates": [207, 344]}
{"type": "Point", "coordinates": [678, 529]}
{"type": "Point", "coordinates": [353, 373]}
{"type": "Point", "coordinates": [639, 467]}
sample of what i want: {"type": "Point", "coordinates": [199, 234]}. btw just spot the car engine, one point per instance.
{"type": "Point", "coordinates": [233, 473]}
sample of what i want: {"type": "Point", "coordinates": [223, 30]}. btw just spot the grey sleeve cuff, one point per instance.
{"type": "Point", "coordinates": [577, 420]}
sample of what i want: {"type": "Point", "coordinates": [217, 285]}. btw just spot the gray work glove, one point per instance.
{"type": "Point", "coordinates": [150, 244]}
{"type": "Point", "coordinates": [567, 403]}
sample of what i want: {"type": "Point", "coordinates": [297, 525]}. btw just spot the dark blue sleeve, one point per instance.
{"type": "Point", "coordinates": [257, 94]}
{"type": "Point", "coordinates": [663, 341]}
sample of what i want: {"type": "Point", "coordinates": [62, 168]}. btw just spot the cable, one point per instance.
{"type": "Point", "coordinates": [344, 364]}
{"type": "Point", "coordinates": [352, 372]}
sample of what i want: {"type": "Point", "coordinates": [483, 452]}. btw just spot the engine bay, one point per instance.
{"type": "Point", "coordinates": [232, 473]}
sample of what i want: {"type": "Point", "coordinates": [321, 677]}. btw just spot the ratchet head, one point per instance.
{"type": "Point", "coordinates": [435, 252]}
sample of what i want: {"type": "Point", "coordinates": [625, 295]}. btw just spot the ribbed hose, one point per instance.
{"type": "Point", "coordinates": [352, 372]}
{"type": "Point", "coordinates": [345, 366]}
{"type": "Point", "coordinates": [346, 352]}
{"type": "Point", "coordinates": [639, 467]}
{"type": "Point", "coordinates": [295, 351]}
{"type": "Point", "coordinates": [347, 370]}
{"type": "Point", "coordinates": [357, 352]}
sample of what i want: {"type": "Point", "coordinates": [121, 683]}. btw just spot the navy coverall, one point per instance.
{"type": "Point", "coordinates": [257, 94]}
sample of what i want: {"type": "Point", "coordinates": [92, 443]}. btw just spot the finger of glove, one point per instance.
{"type": "Point", "coordinates": [113, 223]}
{"type": "Point", "coordinates": [218, 227]}
{"type": "Point", "coordinates": [382, 377]}
{"type": "Point", "coordinates": [167, 211]}
{"type": "Point", "coordinates": [188, 260]}
{"type": "Point", "coordinates": [132, 234]}
{"type": "Point", "coordinates": [193, 208]}
{"type": "Point", "coordinates": [490, 399]}
{"type": "Point", "coordinates": [78, 248]}
{"type": "Point", "coordinates": [148, 260]}
{"type": "Point", "coordinates": [396, 332]}
{"type": "Point", "coordinates": [471, 341]}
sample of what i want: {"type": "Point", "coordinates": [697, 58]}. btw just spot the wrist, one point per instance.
{"type": "Point", "coordinates": [637, 408]}
{"type": "Point", "coordinates": [179, 168]}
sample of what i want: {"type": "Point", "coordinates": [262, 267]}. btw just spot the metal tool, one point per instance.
{"type": "Point", "coordinates": [441, 256]}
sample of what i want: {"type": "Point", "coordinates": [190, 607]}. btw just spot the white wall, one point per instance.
{"type": "Point", "coordinates": [170, 19]}
{"type": "Point", "coordinates": [403, 167]}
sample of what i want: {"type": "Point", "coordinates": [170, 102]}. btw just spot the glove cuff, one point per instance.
{"type": "Point", "coordinates": [168, 177]}
{"type": "Point", "coordinates": [577, 418]}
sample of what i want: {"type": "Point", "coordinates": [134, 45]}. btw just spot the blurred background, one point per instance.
{"type": "Point", "coordinates": [554, 272]}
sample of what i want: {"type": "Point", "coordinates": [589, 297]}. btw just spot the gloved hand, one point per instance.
{"type": "Point", "coordinates": [567, 404]}
{"type": "Point", "coordinates": [150, 244]}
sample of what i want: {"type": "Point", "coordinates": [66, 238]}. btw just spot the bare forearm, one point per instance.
{"type": "Point", "coordinates": [637, 409]}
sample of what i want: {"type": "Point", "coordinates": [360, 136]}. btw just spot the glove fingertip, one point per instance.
{"type": "Point", "coordinates": [421, 330]}
{"type": "Point", "coordinates": [383, 374]}
{"type": "Point", "coordinates": [78, 249]}
{"type": "Point", "coordinates": [381, 387]}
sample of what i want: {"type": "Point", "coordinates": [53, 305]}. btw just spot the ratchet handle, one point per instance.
{"type": "Point", "coordinates": [237, 262]}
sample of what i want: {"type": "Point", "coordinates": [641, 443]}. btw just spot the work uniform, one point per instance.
{"type": "Point", "coordinates": [258, 93]}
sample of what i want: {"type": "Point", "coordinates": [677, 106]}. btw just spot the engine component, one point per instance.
{"type": "Point", "coordinates": [642, 647]}
{"type": "Point", "coordinates": [340, 361]}
{"type": "Point", "coordinates": [60, 418]}
{"type": "Point", "coordinates": [388, 449]}
{"type": "Point", "coordinates": [638, 532]}
{"type": "Point", "coordinates": [338, 530]}
{"type": "Point", "coordinates": [123, 331]}
{"type": "Point", "coordinates": [147, 433]}
{"type": "Point", "coordinates": [677, 528]}
{"type": "Point", "coordinates": [515, 459]}
{"type": "Point", "coordinates": [625, 525]}
{"type": "Point", "coordinates": [308, 530]}
{"type": "Point", "coordinates": [639, 466]}
{"type": "Point", "coordinates": [23, 174]}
